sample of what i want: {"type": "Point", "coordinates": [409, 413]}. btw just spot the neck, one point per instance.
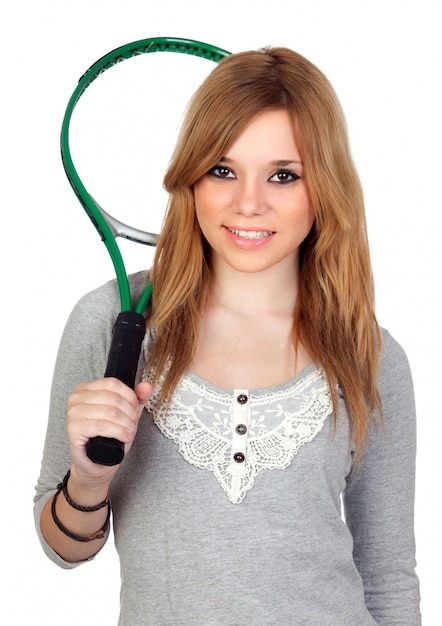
{"type": "Point", "coordinates": [273, 290]}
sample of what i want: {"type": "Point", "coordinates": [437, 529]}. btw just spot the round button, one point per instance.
{"type": "Point", "coordinates": [239, 457]}
{"type": "Point", "coordinates": [242, 398]}
{"type": "Point", "coordinates": [241, 429]}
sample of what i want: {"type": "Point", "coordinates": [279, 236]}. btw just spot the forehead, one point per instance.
{"type": "Point", "coordinates": [269, 135]}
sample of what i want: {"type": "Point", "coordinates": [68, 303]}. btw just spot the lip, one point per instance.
{"type": "Point", "coordinates": [236, 236]}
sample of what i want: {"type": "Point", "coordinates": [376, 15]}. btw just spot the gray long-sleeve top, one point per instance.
{"type": "Point", "coordinates": [228, 509]}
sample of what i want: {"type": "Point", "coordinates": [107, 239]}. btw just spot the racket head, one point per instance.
{"type": "Point", "coordinates": [108, 227]}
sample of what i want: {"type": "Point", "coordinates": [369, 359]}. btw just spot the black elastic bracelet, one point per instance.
{"type": "Point", "coordinates": [100, 534]}
{"type": "Point", "coordinates": [63, 486]}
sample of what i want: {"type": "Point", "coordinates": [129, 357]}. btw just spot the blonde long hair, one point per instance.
{"type": "Point", "coordinates": [335, 316]}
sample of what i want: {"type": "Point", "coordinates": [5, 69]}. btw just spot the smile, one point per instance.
{"type": "Point", "coordinates": [251, 234]}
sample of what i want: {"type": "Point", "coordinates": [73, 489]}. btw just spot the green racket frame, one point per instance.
{"type": "Point", "coordinates": [129, 327]}
{"type": "Point", "coordinates": [109, 228]}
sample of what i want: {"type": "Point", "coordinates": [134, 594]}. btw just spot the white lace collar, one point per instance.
{"type": "Point", "coordinates": [238, 433]}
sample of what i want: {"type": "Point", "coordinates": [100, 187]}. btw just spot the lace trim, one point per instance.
{"type": "Point", "coordinates": [203, 422]}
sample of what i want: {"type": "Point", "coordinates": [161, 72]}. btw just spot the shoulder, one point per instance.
{"type": "Point", "coordinates": [86, 339]}
{"type": "Point", "coordinates": [396, 390]}
{"type": "Point", "coordinates": [105, 299]}
{"type": "Point", "coordinates": [99, 308]}
{"type": "Point", "coordinates": [394, 367]}
{"type": "Point", "coordinates": [391, 348]}
{"type": "Point", "coordinates": [93, 316]}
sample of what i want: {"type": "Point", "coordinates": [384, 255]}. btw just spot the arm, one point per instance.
{"type": "Point", "coordinates": [75, 521]}
{"type": "Point", "coordinates": [379, 500]}
{"type": "Point", "coordinates": [90, 525]}
{"type": "Point", "coordinates": [82, 357]}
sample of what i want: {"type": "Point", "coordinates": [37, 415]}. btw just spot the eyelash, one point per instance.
{"type": "Point", "coordinates": [292, 175]}
{"type": "Point", "coordinates": [215, 172]}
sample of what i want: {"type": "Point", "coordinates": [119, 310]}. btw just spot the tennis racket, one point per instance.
{"type": "Point", "coordinates": [129, 327]}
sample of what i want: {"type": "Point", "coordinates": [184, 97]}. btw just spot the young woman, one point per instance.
{"type": "Point", "coordinates": [267, 393]}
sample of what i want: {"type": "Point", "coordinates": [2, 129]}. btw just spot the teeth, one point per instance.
{"type": "Point", "coordinates": [251, 234]}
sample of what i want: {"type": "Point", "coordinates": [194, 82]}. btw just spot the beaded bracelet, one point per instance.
{"type": "Point", "coordinates": [100, 534]}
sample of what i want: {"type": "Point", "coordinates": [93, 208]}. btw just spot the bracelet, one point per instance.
{"type": "Point", "coordinates": [100, 534]}
{"type": "Point", "coordinates": [63, 486]}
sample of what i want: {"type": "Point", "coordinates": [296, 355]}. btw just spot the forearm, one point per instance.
{"type": "Point", "coordinates": [83, 525]}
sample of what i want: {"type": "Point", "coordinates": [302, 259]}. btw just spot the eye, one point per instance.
{"type": "Point", "coordinates": [284, 177]}
{"type": "Point", "coordinates": [221, 171]}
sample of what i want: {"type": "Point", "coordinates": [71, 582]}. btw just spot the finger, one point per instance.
{"type": "Point", "coordinates": [143, 392]}
{"type": "Point", "coordinates": [87, 421]}
{"type": "Point", "coordinates": [104, 408]}
{"type": "Point", "coordinates": [110, 384]}
{"type": "Point", "coordinates": [106, 392]}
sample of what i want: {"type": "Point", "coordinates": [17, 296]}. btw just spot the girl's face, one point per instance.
{"type": "Point", "coordinates": [253, 206]}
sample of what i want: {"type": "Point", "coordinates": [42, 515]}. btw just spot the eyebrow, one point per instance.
{"type": "Point", "coordinates": [276, 163]}
{"type": "Point", "coordinates": [285, 163]}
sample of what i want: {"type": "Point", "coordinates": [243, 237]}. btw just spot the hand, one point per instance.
{"type": "Point", "coordinates": [105, 407]}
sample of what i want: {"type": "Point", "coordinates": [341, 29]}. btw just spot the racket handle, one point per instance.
{"type": "Point", "coordinates": [124, 353]}
{"type": "Point", "coordinates": [122, 363]}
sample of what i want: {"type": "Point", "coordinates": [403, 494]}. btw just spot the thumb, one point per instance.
{"type": "Point", "coordinates": [143, 391]}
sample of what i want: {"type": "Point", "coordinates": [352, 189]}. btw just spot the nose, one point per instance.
{"type": "Point", "coordinates": [250, 198]}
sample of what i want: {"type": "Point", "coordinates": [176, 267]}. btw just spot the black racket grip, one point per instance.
{"type": "Point", "coordinates": [122, 363]}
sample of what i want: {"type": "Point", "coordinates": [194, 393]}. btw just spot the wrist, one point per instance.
{"type": "Point", "coordinates": [63, 487]}
{"type": "Point", "coordinates": [85, 492]}
{"type": "Point", "coordinates": [82, 538]}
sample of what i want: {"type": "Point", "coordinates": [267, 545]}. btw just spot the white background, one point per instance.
{"type": "Point", "coordinates": [384, 59]}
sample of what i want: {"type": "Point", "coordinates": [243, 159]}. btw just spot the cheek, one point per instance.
{"type": "Point", "coordinates": [309, 220]}
{"type": "Point", "coordinates": [203, 210]}
{"type": "Point", "coordinates": [306, 210]}
{"type": "Point", "coordinates": [300, 210]}
{"type": "Point", "coordinates": [208, 202]}
{"type": "Point", "coordinates": [201, 195]}
{"type": "Point", "coordinates": [310, 216]}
